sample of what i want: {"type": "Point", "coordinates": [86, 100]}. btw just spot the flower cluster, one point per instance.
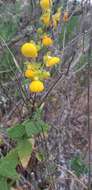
{"type": "Point", "coordinates": [49, 19]}
{"type": "Point", "coordinates": [46, 6]}
{"type": "Point", "coordinates": [37, 72]}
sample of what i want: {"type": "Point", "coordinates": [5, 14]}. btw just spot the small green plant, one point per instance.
{"type": "Point", "coordinates": [24, 135]}
{"type": "Point", "coordinates": [78, 166]}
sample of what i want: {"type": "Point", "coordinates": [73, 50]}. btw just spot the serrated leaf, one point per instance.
{"type": "Point", "coordinates": [7, 170]}
{"type": "Point", "coordinates": [12, 156]}
{"type": "Point", "coordinates": [17, 131]}
{"type": "Point", "coordinates": [31, 129]}
{"type": "Point", "coordinates": [42, 126]}
{"type": "Point", "coordinates": [24, 149]}
{"type": "Point", "coordinates": [8, 165]}
{"type": "Point", "coordinates": [35, 127]}
{"type": "Point", "coordinates": [25, 160]}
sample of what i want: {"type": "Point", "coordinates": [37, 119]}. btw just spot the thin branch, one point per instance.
{"type": "Point", "coordinates": [55, 83]}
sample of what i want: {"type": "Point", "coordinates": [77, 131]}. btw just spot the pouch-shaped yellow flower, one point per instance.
{"type": "Point", "coordinates": [47, 41]}
{"type": "Point", "coordinates": [45, 18]}
{"type": "Point", "coordinates": [51, 61]}
{"type": "Point", "coordinates": [30, 73]}
{"type": "Point", "coordinates": [57, 15]}
{"type": "Point", "coordinates": [56, 18]}
{"type": "Point", "coordinates": [45, 4]}
{"type": "Point", "coordinates": [29, 50]}
{"type": "Point", "coordinates": [36, 86]}
{"type": "Point", "coordinates": [54, 22]}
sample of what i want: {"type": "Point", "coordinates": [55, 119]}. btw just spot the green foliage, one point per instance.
{"type": "Point", "coordinates": [24, 148]}
{"type": "Point", "coordinates": [35, 128]}
{"type": "Point", "coordinates": [8, 165]}
{"type": "Point", "coordinates": [22, 134]}
{"type": "Point", "coordinates": [36, 125]}
{"type": "Point", "coordinates": [78, 166]}
{"type": "Point", "coordinates": [29, 128]}
{"type": "Point", "coordinates": [17, 131]}
{"type": "Point", "coordinates": [4, 184]}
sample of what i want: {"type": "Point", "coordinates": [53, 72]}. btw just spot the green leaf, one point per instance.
{"type": "Point", "coordinates": [24, 148]}
{"type": "Point", "coordinates": [43, 127]}
{"type": "Point", "coordinates": [78, 165]}
{"type": "Point", "coordinates": [35, 127]}
{"type": "Point", "coordinates": [12, 156]}
{"type": "Point", "coordinates": [3, 184]}
{"type": "Point", "coordinates": [8, 165]}
{"type": "Point", "coordinates": [31, 129]}
{"type": "Point", "coordinates": [17, 131]}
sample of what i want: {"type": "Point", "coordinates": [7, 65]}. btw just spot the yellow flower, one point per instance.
{"type": "Point", "coordinates": [54, 22]}
{"type": "Point", "coordinates": [29, 50]}
{"type": "Point", "coordinates": [36, 86]}
{"type": "Point", "coordinates": [30, 73]}
{"type": "Point", "coordinates": [46, 58]}
{"type": "Point", "coordinates": [45, 18]}
{"type": "Point", "coordinates": [57, 15]}
{"type": "Point", "coordinates": [56, 18]}
{"type": "Point", "coordinates": [47, 41]}
{"type": "Point", "coordinates": [35, 74]}
{"type": "Point", "coordinates": [50, 61]}
{"type": "Point", "coordinates": [45, 4]}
